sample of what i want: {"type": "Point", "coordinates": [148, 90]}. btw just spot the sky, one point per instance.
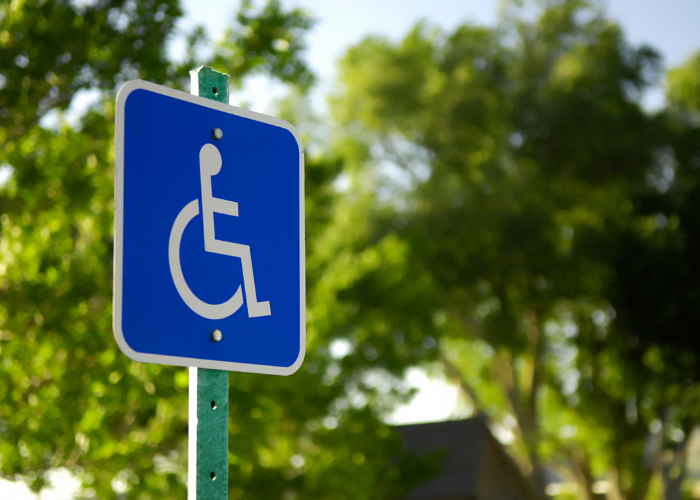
{"type": "Point", "coordinates": [671, 26]}
{"type": "Point", "coordinates": [668, 25]}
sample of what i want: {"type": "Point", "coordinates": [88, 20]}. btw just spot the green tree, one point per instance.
{"type": "Point", "coordinates": [655, 286]}
{"type": "Point", "coordinates": [70, 398]}
{"type": "Point", "coordinates": [520, 173]}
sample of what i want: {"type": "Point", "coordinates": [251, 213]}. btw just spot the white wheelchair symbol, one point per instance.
{"type": "Point", "coordinates": [209, 165]}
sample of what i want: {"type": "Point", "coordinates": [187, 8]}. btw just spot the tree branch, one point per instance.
{"type": "Point", "coordinates": [456, 375]}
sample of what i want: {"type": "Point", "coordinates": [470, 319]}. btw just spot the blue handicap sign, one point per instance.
{"type": "Point", "coordinates": [209, 234]}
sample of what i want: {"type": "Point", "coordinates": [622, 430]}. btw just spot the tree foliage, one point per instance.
{"type": "Point", "coordinates": [553, 218]}
{"type": "Point", "coordinates": [70, 399]}
{"type": "Point", "coordinates": [495, 203]}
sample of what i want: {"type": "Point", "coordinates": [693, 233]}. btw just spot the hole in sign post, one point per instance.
{"type": "Point", "coordinates": [213, 405]}
{"type": "Point", "coordinates": [213, 476]}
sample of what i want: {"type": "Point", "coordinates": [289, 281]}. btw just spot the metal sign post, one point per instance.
{"type": "Point", "coordinates": [207, 474]}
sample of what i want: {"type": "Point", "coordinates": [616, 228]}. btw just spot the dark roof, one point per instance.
{"type": "Point", "coordinates": [464, 443]}
{"type": "Point", "coordinates": [475, 465]}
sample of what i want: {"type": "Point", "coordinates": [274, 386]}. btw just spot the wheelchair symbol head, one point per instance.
{"type": "Point", "coordinates": [209, 159]}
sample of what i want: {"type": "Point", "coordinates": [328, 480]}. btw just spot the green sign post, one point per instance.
{"type": "Point", "coordinates": [208, 426]}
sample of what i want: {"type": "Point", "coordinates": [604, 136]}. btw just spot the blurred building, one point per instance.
{"type": "Point", "coordinates": [474, 465]}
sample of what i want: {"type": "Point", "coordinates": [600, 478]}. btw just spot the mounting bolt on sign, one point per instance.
{"type": "Point", "coordinates": [209, 267]}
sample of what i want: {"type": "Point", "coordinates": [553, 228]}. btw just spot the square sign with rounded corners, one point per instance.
{"type": "Point", "coordinates": [209, 234]}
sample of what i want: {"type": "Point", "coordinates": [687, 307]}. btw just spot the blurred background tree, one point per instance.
{"type": "Point", "coordinates": [493, 202]}
{"type": "Point", "coordinates": [554, 220]}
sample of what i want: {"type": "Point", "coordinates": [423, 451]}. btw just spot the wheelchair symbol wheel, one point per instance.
{"type": "Point", "coordinates": [209, 311]}
{"type": "Point", "coordinates": [210, 164]}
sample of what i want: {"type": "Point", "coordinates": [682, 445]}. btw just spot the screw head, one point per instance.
{"type": "Point", "coordinates": [216, 335]}
{"type": "Point", "coordinates": [217, 134]}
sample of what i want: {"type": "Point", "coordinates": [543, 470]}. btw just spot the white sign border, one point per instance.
{"type": "Point", "coordinates": [122, 97]}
